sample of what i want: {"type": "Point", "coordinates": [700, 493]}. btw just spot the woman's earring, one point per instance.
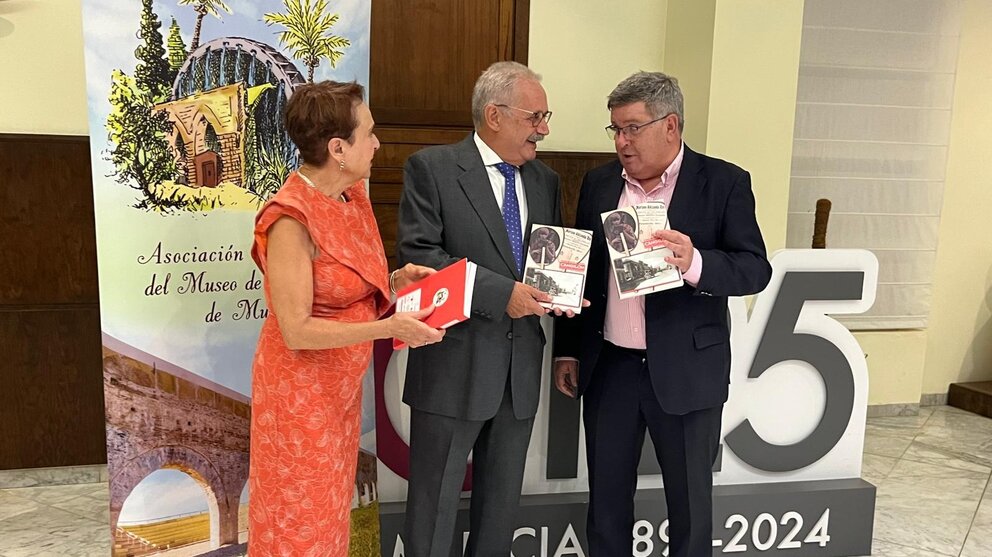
{"type": "Point", "coordinates": [342, 164]}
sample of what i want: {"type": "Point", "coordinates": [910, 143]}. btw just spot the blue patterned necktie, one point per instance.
{"type": "Point", "coordinates": [511, 212]}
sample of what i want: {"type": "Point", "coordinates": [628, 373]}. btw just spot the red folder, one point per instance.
{"type": "Point", "coordinates": [450, 290]}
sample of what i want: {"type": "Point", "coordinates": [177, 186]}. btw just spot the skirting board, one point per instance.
{"type": "Point", "coordinates": [933, 399]}
{"type": "Point", "coordinates": [888, 410]}
{"type": "Point", "coordinates": [63, 475]}
{"type": "Point", "coordinates": [907, 408]}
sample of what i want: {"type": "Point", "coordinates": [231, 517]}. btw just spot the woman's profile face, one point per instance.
{"type": "Point", "coordinates": [359, 153]}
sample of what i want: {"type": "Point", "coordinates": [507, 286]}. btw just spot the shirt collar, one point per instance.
{"type": "Point", "coordinates": [489, 157]}
{"type": "Point", "coordinates": [666, 176]}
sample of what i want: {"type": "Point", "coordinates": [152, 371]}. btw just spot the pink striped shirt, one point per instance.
{"type": "Point", "coordinates": [624, 324]}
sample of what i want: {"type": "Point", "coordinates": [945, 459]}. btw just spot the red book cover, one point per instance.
{"type": "Point", "coordinates": [450, 290]}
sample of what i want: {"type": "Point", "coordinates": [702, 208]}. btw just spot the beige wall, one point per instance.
{"type": "Point", "coordinates": [583, 48]}
{"type": "Point", "coordinates": [959, 343]}
{"type": "Point", "coordinates": [895, 365]}
{"type": "Point", "coordinates": [44, 87]}
{"type": "Point", "coordinates": [689, 57]}
{"type": "Point", "coordinates": [752, 103]}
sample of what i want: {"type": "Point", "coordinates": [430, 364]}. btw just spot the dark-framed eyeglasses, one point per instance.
{"type": "Point", "coordinates": [535, 118]}
{"type": "Point", "coordinates": [613, 132]}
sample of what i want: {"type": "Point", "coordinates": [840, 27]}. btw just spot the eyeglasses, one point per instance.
{"type": "Point", "coordinates": [535, 118]}
{"type": "Point", "coordinates": [632, 130]}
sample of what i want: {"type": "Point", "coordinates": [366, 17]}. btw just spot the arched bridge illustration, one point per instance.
{"type": "Point", "coordinates": [162, 417]}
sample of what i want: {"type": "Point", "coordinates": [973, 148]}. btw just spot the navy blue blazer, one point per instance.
{"type": "Point", "coordinates": [687, 328]}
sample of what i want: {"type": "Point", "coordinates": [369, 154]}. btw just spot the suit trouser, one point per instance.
{"type": "Point", "coordinates": [439, 449]}
{"type": "Point", "coordinates": [619, 404]}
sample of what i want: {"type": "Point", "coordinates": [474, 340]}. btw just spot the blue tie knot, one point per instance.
{"type": "Point", "coordinates": [507, 170]}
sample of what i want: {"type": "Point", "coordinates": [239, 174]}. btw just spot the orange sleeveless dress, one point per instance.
{"type": "Point", "coordinates": [306, 404]}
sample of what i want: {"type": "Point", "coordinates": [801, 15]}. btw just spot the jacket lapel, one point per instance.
{"type": "Point", "coordinates": [611, 194]}
{"type": "Point", "coordinates": [688, 191]}
{"type": "Point", "coordinates": [537, 199]}
{"type": "Point", "coordinates": [474, 181]}
{"type": "Point", "coordinates": [609, 199]}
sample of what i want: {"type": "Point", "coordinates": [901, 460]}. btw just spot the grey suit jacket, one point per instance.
{"type": "Point", "coordinates": [447, 212]}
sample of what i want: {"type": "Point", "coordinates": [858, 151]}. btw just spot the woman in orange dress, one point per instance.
{"type": "Point", "coordinates": [326, 283]}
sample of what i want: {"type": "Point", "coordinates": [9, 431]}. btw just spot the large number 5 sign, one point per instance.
{"type": "Point", "coordinates": [790, 325]}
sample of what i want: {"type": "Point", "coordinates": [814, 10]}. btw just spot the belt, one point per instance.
{"type": "Point", "coordinates": [636, 352]}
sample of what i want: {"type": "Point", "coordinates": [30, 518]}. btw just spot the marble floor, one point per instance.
{"type": "Point", "coordinates": [932, 472]}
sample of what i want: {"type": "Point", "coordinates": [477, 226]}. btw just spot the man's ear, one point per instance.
{"type": "Point", "coordinates": [492, 117]}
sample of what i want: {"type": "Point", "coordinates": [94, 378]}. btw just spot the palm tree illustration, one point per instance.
{"type": "Point", "coordinates": [202, 8]}
{"type": "Point", "coordinates": [307, 33]}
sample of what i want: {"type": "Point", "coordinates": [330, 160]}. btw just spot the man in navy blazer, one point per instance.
{"type": "Point", "coordinates": [659, 362]}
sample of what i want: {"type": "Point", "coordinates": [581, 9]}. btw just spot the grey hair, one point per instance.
{"type": "Point", "coordinates": [659, 92]}
{"type": "Point", "coordinates": [496, 86]}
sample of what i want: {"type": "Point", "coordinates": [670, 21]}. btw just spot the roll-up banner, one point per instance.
{"type": "Point", "coordinates": [185, 105]}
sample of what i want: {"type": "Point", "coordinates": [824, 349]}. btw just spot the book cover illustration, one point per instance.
{"type": "Point", "coordinates": [556, 263]}
{"type": "Point", "coordinates": [637, 258]}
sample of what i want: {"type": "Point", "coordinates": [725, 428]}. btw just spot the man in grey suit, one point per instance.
{"type": "Point", "coordinates": [478, 389]}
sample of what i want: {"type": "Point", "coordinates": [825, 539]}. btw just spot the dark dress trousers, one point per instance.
{"type": "Point", "coordinates": [677, 388]}
{"type": "Point", "coordinates": [478, 389]}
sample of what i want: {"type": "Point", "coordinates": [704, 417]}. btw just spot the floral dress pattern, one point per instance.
{"type": "Point", "coordinates": [306, 404]}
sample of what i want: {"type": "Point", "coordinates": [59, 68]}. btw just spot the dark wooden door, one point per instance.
{"type": "Point", "coordinates": [51, 398]}
{"type": "Point", "coordinates": [425, 58]}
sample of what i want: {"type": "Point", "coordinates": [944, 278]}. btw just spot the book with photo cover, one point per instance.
{"type": "Point", "coordinates": [637, 259]}
{"type": "Point", "coordinates": [450, 290]}
{"type": "Point", "coordinates": [557, 260]}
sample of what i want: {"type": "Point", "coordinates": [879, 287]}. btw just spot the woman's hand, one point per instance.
{"type": "Point", "coordinates": [409, 328]}
{"type": "Point", "coordinates": [409, 274]}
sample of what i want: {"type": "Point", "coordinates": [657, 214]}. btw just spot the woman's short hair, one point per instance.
{"type": "Point", "coordinates": [319, 112]}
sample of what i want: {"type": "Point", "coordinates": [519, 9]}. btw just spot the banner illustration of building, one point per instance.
{"type": "Point", "coordinates": [185, 105]}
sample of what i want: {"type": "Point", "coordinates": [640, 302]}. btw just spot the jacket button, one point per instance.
{"type": "Point", "coordinates": [509, 336]}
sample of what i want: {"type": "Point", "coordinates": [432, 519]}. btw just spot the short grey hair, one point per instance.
{"type": "Point", "coordinates": [659, 92]}
{"type": "Point", "coordinates": [496, 86]}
